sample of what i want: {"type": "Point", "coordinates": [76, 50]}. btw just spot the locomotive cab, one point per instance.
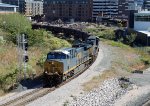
{"type": "Point", "coordinates": [54, 66]}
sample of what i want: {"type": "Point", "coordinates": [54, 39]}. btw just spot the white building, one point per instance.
{"type": "Point", "coordinates": [142, 21]}
{"type": "Point", "coordinates": [7, 8]}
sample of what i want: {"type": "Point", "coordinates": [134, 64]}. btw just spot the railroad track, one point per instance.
{"type": "Point", "coordinates": [37, 93]}
{"type": "Point", "coordinates": [40, 92]}
{"type": "Point", "coordinates": [28, 97]}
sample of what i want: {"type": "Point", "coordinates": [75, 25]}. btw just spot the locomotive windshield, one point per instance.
{"type": "Point", "coordinates": [56, 55]}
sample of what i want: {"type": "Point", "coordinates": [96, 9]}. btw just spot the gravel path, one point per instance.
{"type": "Point", "coordinates": [74, 88]}
{"type": "Point", "coordinates": [140, 92]}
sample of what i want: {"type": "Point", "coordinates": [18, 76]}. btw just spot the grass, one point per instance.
{"type": "Point", "coordinates": [66, 103]}
{"type": "Point", "coordinates": [8, 57]}
{"type": "Point", "coordinates": [135, 59]}
{"type": "Point", "coordinates": [97, 80]}
{"type": "Point", "coordinates": [126, 59]}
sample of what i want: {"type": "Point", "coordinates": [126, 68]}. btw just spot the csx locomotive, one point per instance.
{"type": "Point", "coordinates": [64, 63]}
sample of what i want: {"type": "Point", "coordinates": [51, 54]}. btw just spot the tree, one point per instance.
{"type": "Point", "coordinates": [14, 24]}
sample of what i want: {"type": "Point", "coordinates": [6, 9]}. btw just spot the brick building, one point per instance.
{"type": "Point", "coordinates": [78, 10]}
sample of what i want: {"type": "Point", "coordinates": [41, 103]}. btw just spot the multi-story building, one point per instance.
{"type": "Point", "coordinates": [104, 8]}
{"type": "Point", "coordinates": [78, 10]}
{"type": "Point", "coordinates": [146, 5]}
{"type": "Point", "coordinates": [139, 2]}
{"type": "Point", "coordinates": [124, 8]}
{"type": "Point", "coordinates": [33, 8]}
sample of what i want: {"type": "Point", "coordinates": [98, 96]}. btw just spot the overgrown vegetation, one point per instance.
{"type": "Point", "coordinates": [14, 24]}
{"type": "Point", "coordinates": [102, 32]}
{"type": "Point", "coordinates": [97, 80]}
{"type": "Point", "coordinates": [135, 58]}
{"type": "Point", "coordinates": [40, 43]}
{"type": "Point", "coordinates": [109, 34]}
{"type": "Point", "coordinates": [123, 42]}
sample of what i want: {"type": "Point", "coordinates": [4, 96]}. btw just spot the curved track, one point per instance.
{"type": "Point", "coordinates": [37, 93]}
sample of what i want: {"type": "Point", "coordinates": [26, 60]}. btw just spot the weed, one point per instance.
{"type": "Point", "coordinates": [94, 83]}
{"type": "Point", "coordinates": [66, 103]}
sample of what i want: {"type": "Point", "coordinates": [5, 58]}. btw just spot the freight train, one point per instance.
{"type": "Point", "coordinates": [64, 63]}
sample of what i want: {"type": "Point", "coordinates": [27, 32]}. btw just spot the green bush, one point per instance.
{"type": "Point", "coordinates": [7, 81]}
{"type": "Point", "coordinates": [130, 38]}
{"type": "Point", "coordinates": [102, 32]}
{"type": "Point", "coordinates": [146, 60]}
{"type": "Point", "coordinates": [14, 24]}
{"type": "Point", "coordinates": [107, 34]}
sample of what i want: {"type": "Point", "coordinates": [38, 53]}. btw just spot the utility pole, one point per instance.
{"type": "Point", "coordinates": [22, 55]}
{"type": "Point", "coordinates": [19, 57]}
{"type": "Point", "coordinates": [25, 55]}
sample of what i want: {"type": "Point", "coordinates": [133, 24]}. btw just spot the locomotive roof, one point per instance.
{"type": "Point", "coordinates": [92, 37]}
{"type": "Point", "coordinates": [63, 51]}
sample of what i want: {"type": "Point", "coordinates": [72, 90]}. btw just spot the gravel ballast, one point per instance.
{"type": "Point", "coordinates": [105, 95]}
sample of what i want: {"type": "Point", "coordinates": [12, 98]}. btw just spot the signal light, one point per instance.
{"type": "Point", "coordinates": [25, 46]}
{"type": "Point", "coordinates": [25, 58]}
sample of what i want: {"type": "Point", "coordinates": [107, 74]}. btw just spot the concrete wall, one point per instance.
{"type": "Point", "coordinates": [139, 25]}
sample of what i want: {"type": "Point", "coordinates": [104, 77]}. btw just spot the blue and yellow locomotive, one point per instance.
{"type": "Point", "coordinates": [64, 63]}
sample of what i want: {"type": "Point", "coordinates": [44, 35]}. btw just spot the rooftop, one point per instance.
{"type": "Point", "coordinates": [7, 5]}
{"type": "Point", "coordinates": [145, 32]}
{"type": "Point", "coordinates": [143, 13]}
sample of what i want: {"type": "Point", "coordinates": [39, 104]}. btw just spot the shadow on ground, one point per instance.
{"type": "Point", "coordinates": [29, 84]}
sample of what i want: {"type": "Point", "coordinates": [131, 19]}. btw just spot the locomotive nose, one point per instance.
{"type": "Point", "coordinates": [53, 67]}
{"type": "Point", "coordinates": [53, 72]}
